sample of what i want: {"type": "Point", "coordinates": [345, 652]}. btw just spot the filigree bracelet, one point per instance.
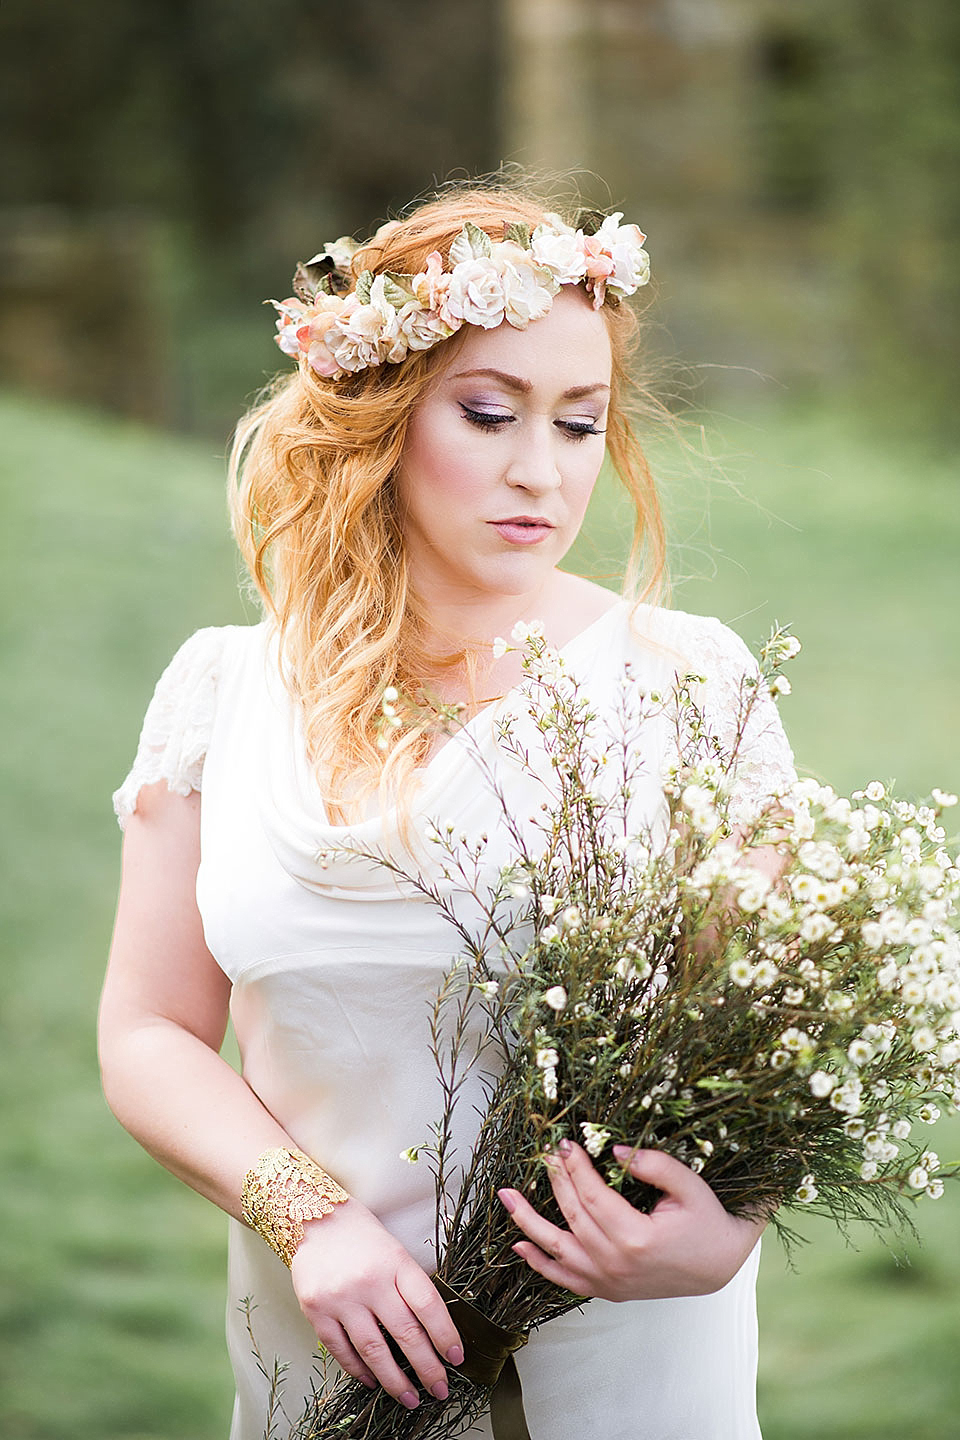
{"type": "Point", "coordinates": [282, 1190]}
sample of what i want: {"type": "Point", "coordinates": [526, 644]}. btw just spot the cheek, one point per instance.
{"type": "Point", "coordinates": [439, 464]}
{"type": "Point", "coordinates": [581, 480]}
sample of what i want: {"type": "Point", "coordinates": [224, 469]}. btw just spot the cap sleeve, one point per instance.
{"type": "Point", "coordinates": [177, 725]}
{"type": "Point", "coordinates": [764, 760]}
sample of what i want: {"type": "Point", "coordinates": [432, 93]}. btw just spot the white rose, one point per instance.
{"type": "Point", "coordinates": [552, 224]}
{"type": "Point", "coordinates": [392, 342]}
{"type": "Point", "coordinates": [422, 329]}
{"type": "Point", "coordinates": [624, 245]}
{"type": "Point", "coordinates": [475, 295]}
{"type": "Point", "coordinates": [562, 255]}
{"type": "Point", "coordinates": [525, 297]}
{"type": "Point", "coordinates": [631, 268]}
{"type": "Point", "coordinates": [355, 338]}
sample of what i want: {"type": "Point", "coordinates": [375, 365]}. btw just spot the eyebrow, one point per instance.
{"type": "Point", "coordinates": [516, 382]}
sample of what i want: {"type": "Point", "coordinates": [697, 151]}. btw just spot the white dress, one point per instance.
{"type": "Point", "coordinates": [334, 968]}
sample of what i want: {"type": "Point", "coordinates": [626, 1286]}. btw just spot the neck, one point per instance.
{"type": "Point", "coordinates": [465, 621]}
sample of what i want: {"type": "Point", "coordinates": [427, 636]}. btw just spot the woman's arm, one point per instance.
{"type": "Point", "coordinates": [162, 1020]}
{"type": "Point", "coordinates": [163, 1014]}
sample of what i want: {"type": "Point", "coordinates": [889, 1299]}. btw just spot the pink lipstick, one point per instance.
{"type": "Point", "coordinates": [523, 529]}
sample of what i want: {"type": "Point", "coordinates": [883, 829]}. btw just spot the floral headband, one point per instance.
{"type": "Point", "coordinates": [386, 316]}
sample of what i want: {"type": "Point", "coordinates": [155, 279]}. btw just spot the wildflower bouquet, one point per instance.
{"type": "Point", "coordinates": [771, 998]}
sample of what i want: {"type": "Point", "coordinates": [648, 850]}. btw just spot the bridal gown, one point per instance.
{"type": "Point", "coordinates": [334, 966]}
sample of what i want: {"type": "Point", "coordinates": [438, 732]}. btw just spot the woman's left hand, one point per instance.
{"type": "Point", "coordinates": [688, 1244]}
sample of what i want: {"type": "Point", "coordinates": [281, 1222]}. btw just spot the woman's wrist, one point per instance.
{"type": "Point", "coordinates": [283, 1190]}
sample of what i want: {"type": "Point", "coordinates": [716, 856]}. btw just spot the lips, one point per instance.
{"type": "Point", "coordinates": [523, 529]}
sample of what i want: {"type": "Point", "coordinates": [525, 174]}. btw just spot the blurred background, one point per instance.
{"type": "Point", "coordinates": [794, 164]}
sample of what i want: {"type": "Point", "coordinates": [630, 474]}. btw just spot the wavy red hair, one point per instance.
{"type": "Point", "coordinates": [315, 517]}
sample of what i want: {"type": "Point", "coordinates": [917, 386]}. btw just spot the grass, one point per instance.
{"type": "Point", "coordinates": [113, 549]}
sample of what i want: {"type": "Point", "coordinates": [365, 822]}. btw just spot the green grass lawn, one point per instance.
{"type": "Point", "coordinates": [114, 548]}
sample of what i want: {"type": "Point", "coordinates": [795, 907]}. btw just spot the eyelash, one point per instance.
{"type": "Point", "coordinates": [484, 421]}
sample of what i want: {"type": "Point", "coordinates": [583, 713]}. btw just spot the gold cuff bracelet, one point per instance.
{"type": "Point", "coordinates": [282, 1190]}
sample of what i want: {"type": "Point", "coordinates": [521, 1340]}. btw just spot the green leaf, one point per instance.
{"type": "Point", "coordinates": [589, 221]}
{"type": "Point", "coordinates": [480, 241]}
{"type": "Point", "coordinates": [396, 289]}
{"type": "Point", "coordinates": [519, 233]}
{"type": "Point", "coordinates": [471, 244]}
{"type": "Point", "coordinates": [341, 251]}
{"type": "Point", "coordinates": [309, 281]}
{"type": "Point", "coordinates": [364, 282]}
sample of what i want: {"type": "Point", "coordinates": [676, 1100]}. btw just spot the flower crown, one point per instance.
{"type": "Point", "coordinates": [387, 315]}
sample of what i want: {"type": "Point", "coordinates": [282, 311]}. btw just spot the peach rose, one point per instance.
{"type": "Point", "coordinates": [431, 285]}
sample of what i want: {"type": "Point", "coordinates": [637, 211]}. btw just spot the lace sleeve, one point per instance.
{"type": "Point", "coordinates": [764, 764]}
{"type": "Point", "coordinates": [705, 647]}
{"type": "Point", "coordinates": [177, 725]}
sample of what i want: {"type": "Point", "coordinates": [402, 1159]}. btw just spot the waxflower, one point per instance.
{"type": "Point", "coordinates": [783, 1038]}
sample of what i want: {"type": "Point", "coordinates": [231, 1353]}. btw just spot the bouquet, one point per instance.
{"type": "Point", "coordinates": [772, 998]}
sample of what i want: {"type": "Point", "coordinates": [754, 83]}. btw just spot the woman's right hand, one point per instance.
{"type": "Point", "coordinates": [351, 1276]}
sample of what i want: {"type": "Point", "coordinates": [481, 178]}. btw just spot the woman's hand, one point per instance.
{"type": "Point", "coordinates": [687, 1245]}
{"type": "Point", "coordinates": [350, 1277]}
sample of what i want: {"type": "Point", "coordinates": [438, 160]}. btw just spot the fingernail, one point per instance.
{"type": "Point", "coordinates": [441, 1390]}
{"type": "Point", "coordinates": [410, 1398]}
{"type": "Point", "coordinates": [369, 1381]}
{"type": "Point", "coordinates": [564, 1148]}
{"type": "Point", "coordinates": [507, 1201]}
{"type": "Point", "coordinates": [455, 1355]}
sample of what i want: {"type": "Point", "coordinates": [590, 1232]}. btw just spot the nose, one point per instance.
{"type": "Point", "coordinates": [534, 462]}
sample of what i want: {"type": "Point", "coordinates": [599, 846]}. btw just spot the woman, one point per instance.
{"type": "Point", "coordinates": [402, 500]}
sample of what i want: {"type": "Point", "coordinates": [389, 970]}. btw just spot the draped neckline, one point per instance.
{"type": "Point", "coordinates": [292, 807]}
{"type": "Point", "coordinates": [488, 711]}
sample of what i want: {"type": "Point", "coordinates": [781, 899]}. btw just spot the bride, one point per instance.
{"type": "Point", "coordinates": [401, 499]}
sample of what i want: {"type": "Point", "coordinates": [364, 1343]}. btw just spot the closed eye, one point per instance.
{"type": "Point", "coordinates": [485, 419]}
{"type": "Point", "coordinates": [490, 420]}
{"type": "Point", "coordinates": [576, 430]}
